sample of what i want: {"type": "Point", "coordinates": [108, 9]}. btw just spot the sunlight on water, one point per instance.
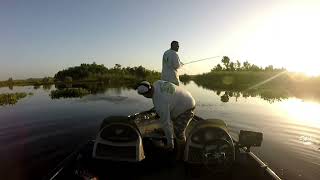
{"type": "Point", "coordinates": [301, 130]}
{"type": "Point", "coordinates": [305, 113]}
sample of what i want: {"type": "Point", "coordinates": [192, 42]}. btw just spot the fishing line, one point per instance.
{"type": "Point", "coordinates": [200, 60]}
{"type": "Point", "coordinates": [186, 69]}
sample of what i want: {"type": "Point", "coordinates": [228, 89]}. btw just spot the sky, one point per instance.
{"type": "Point", "coordinates": [40, 37]}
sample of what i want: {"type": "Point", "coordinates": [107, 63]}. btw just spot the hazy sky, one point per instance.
{"type": "Point", "coordinates": [38, 38]}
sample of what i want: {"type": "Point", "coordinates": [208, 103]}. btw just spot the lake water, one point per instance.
{"type": "Point", "coordinates": [38, 132]}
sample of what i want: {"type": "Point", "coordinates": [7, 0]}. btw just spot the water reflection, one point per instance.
{"type": "Point", "coordinates": [85, 89]}
{"type": "Point", "coordinates": [307, 140]}
{"type": "Point", "coordinates": [290, 126]}
{"type": "Point", "coordinates": [269, 95]}
{"type": "Point", "coordinates": [80, 90]}
{"type": "Point", "coordinates": [103, 97]}
{"type": "Point", "coordinates": [47, 86]}
{"type": "Point", "coordinates": [36, 86]}
{"type": "Point", "coordinates": [90, 92]}
{"type": "Point", "coordinates": [302, 112]}
{"type": "Point", "coordinates": [96, 88]}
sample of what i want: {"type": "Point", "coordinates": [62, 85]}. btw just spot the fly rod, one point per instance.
{"type": "Point", "coordinates": [200, 60]}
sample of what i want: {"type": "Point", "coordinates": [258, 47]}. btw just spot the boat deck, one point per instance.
{"type": "Point", "coordinates": [160, 165]}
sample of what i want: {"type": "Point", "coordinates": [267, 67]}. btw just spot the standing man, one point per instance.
{"type": "Point", "coordinates": [170, 64]}
{"type": "Point", "coordinates": [174, 105]}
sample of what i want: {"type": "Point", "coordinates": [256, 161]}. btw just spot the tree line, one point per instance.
{"type": "Point", "coordinates": [228, 65]}
{"type": "Point", "coordinates": [100, 72]}
{"type": "Point", "coordinates": [30, 81]}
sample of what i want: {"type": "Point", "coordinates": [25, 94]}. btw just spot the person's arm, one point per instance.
{"type": "Point", "coordinates": [176, 63]}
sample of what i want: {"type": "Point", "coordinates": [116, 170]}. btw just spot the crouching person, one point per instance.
{"type": "Point", "coordinates": [175, 107]}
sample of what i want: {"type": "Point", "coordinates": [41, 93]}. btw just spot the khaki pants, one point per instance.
{"type": "Point", "coordinates": [180, 123]}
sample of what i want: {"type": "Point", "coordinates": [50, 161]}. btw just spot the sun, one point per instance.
{"type": "Point", "coordinates": [286, 37]}
{"type": "Point", "coordinates": [309, 71]}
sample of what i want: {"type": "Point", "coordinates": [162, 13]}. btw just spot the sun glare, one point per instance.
{"type": "Point", "coordinates": [306, 113]}
{"type": "Point", "coordinates": [286, 37]}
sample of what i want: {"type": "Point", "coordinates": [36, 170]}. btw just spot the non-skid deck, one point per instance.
{"type": "Point", "coordinates": [159, 164]}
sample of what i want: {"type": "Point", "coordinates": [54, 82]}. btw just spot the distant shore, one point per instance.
{"type": "Point", "coordinates": [229, 76]}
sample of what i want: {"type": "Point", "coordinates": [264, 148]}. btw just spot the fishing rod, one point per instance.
{"type": "Point", "coordinates": [200, 60]}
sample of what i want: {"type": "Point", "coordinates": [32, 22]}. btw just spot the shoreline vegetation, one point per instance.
{"type": "Point", "coordinates": [11, 98]}
{"type": "Point", "coordinates": [249, 79]}
{"type": "Point", "coordinates": [229, 77]}
{"type": "Point", "coordinates": [87, 73]}
{"type": "Point", "coordinates": [237, 76]}
{"type": "Point", "coordinates": [100, 73]}
{"type": "Point", "coordinates": [69, 93]}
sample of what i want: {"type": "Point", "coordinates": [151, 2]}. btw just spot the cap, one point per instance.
{"type": "Point", "coordinates": [143, 87]}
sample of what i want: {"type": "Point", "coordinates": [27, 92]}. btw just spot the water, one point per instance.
{"type": "Point", "coordinates": [38, 132]}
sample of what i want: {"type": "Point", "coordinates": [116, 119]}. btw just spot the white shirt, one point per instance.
{"type": "Point", "coordinates": [170, 101]}
{"type": "Point", "coordinates": [170, 65]}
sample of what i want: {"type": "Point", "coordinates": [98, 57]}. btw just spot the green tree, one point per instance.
{"type": "Point", "coordinates": [10, 80]}
{"type": "Point", "coordinates": [254, 67]}
{"type": "Point", "coordinates": [117, 66]}
{"type": "Point", "coordinates": [225, 60]}
{"type": "Point", "coordinates": [218, 67]}
{"type": "Point", "coordinates": [46, 80]}
{"type": "Point", "coordinates": [231, 66]}
{"type": "Point", "coordinates": [269, 68]}
{"type": "Point", "coordinates": [246, 66]}
{"type": "Point", "coordinates": [238, 65]}
{"type": "Point", "coordinates": [99, 72]}
{"type": "Point", "coordinates": [10, 83]}
{"type": "Point", "coordinates": [68, 79]}
{"type": "Point", "coordinates": [141, 72]}
{"type": "Point", "coordinates": [225, 98]}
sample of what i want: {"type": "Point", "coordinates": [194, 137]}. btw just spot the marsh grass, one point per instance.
{"type": "Point", "coordinates": [69, 93]}
{"type": "Point", "coordinates": [11, 98]}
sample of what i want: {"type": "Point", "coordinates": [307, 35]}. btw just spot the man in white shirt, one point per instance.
{"type": "Point", "coordinates": [175, 107]}
{"type": "Point", "coordinates": [170, 64]}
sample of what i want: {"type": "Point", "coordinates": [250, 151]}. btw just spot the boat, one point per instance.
{"type": "Point", "coordinates": [134, 147]}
